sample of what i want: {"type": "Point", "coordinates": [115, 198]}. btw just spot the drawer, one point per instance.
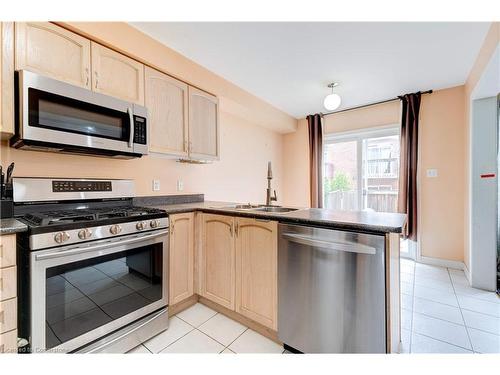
{"type": "Point", "coordinates": [8, 315]}
{"type": "Point", "coordinates": [7, 250]}
{"type": "Point", "coordinates": [8, 287]}
{"type": "Point", "coordinates": [8, 342]}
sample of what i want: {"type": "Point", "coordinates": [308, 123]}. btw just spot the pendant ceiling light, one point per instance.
{"type": "Point", "coordinates": [332, 101]}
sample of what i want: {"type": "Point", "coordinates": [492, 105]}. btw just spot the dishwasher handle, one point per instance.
{"type": "Point", "coordinates": [350, 247]}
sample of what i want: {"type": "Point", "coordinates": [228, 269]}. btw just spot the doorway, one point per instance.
{"type": "Point", "coordinates": [361, 172]}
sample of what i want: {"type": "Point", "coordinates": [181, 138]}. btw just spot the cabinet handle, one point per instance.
{"type": "Point", "coordinates": [172, 230]}
{"type": "Point", "coordinates": [236, 229]}
{"type": "Point", "coordinates": [231, 229]}
{"type": "Point", "coordinates": [2, 348]}
{"type": "Point", "coordinates": [2, 317]}
{"type": "Point", "coordinates": [87, 75]}
{"type": "Point", "coordinates": [96, 79]}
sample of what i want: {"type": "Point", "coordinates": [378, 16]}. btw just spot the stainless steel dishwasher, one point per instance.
{"type": "Point", "coordinates": [331, 293]}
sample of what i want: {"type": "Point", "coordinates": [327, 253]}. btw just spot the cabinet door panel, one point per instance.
{"type": "Point", "coordinates": [167, 103]}
{"type": "Point", "coordinates": [6, 79]}
{"type": "Point", "coordinates": [256, 270]}
{"type": "Point", "coordinates": [117, 75]}
{"type": "Point", "coordinates": [217, 263]}
{"type": "Point", "coordinates": [203, 125]}
{"type": "Point", "coordinates": [181, 260]}
{"type": "Point", "coordinates": [47, 49]}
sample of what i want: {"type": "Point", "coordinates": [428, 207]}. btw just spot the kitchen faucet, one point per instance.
{"type": "Point", "coordinates": [270, 198]}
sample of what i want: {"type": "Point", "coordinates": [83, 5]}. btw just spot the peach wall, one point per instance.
{"type": "Point", "coordinates": [250, 134]}
{"type": "Point", "coordinates": [442, 199]}
{"type": "Point", "coordinates": [441, 147]}
{"type": "Point", "coordinates": [296, 166]}
{"type": "Point", "coordinates": [490, 43]}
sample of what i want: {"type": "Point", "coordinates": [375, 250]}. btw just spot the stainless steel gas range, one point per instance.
{"type": "Point", "coordinates": [93, 268]}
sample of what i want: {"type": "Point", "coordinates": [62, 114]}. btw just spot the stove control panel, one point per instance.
{"type": "Point", "coordinates": [61, 186]}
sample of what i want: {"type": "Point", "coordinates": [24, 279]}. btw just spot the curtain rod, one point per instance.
{"type": "Point", "coordinates": [368, 105]}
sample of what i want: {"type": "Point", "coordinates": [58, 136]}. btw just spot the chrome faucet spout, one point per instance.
{"type": "Point", "coordinates": [269, 197]}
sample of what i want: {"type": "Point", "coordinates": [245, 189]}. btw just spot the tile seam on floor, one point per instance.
{"type": "Point", "coordinates": [447, 304]}
{"type": "Point", "coordinates": [191, 330]}
{"type": "Point", "coordinates": [434, 317]}
{"type": "Point", "coordinates": [210, 337]}
{"type": "Point", "coordinates": [412, 312]}
{"type": "Point", "coordinates": [200, 323]}
{"type": "Point", "coordinates": [444, 342]}
{"type": "Point", "coordinates": [228, 347]}
{"type": "Point", "coordinates": [461, 313]}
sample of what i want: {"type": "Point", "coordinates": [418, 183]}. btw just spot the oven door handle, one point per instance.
{"type": "Point", "coordinates": [78, 250]}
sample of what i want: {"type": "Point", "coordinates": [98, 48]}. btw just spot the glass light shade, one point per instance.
{"type": "Point", "coordinates": [332, 102]}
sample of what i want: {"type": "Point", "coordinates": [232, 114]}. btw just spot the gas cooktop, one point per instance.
{"type": "Point", "coordinates": [88, 216]}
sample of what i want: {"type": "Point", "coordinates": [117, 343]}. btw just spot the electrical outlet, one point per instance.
{"type": "Point", "coordinates": [156, 185]}
{"type": "Point", "coordinates": [180, 185]}
{"type": "Point", "coordinates": [432, 172]}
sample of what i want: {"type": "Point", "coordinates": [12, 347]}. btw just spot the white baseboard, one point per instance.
{"type": "Point", "coordinates": [444, 263]}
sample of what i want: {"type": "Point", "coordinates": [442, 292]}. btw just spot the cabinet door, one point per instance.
{"type": "Point", "coordinates": [167, 103]}
{"type": "Point", "coordinates": [6, 79]}
{"type": "Point", "coordinates": [181, 259]}
{"type": "Point", "coordinates": [117, 75]}
{"type": "Point", "coordinates": [217, 260]}
{"type": "Point", "coordinates": [47, 49]}
{"type": "Point", "coordinates": [203, 125]}
{"type": "Point", "coordinates": [257, 270]}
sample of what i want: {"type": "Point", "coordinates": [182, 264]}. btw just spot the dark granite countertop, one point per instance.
{"type": "Point", "coordinates": [9, 226]}
{"type": "Point", "coordinates": [364, 221]}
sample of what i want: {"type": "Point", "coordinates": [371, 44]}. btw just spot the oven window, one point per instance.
{"type": "Point", "coordinates": [57, 112]}
{"type": "Point", "coordinates": [85, 295]}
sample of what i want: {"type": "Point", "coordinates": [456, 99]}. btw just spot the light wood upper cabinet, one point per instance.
{"type": "Point", "coordinates": [257, 270]}
{"type": "Point", "coordinates": [6, 79]}
{"type": "Point", "coordinates": [217, 260]}
{"type": "Point", "coordinates": [203, 125]}
{"type": "Point", "coordinates": [181, 259]}
{"type": "Point", "coordinates": [117, 75]}
{"type": "Point", "coordinates": [167, 103]}
{"type": "Point", "coordinates": [47, 49]}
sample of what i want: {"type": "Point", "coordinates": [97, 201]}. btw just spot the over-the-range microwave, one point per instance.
{"type": "Point", "coordinates": [55, 116]}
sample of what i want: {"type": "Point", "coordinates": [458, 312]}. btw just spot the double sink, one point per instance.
{"type": "Point", "coordinates": [261, 208]}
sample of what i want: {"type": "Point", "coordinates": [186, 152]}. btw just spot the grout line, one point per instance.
{"type": "Point", "coordinates": [445, 342]}
{"type": "Point", "coordinates": [412, 305]}
{"type": "Point", "coordinates": [231, 343]}
{"type": "Point", "coordinates": [461, 313]}
{"type": "Point", "coordinates": [147, 348]}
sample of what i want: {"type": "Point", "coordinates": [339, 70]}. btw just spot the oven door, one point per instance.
{"type": "Point", "coordinates": [57, 114]}
{"type": "Point", "coordinates": [81, 293]}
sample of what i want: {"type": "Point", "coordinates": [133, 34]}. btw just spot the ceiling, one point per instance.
{"type": "Point", "coordinates": [290, 64]}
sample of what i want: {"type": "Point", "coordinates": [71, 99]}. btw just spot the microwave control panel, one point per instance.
{"type": "Point", "coordinates": [140, 130]}
{"type": "Point", "coordinates": [72, 186]}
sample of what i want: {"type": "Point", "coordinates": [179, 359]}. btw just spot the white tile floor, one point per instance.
{"type": "Point", "coordinates": [441, 313]}
{"type": "Point", "coordinates": [200, 329]}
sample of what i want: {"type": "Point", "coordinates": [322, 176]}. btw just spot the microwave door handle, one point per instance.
{"type": "Point", "coordinates": [79, 250]}
{"type": "Point", "coordinates": [131, 122]}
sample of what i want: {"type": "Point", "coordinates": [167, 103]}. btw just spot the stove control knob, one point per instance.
{"type": "Point", "coordinates": [60, 237]}
{"type": "Point", "coordinates": [115, 229]}
{"type": "Point", "coordinates": [140, 225]}
{"type": "Point", "coordinates": [85, 234]}
{"type": "Point", "coordinates": [154, 223]}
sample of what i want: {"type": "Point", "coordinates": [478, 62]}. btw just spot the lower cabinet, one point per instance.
{"type": "Point", "coordinates": [217, 279]}
{"type": "Point", "coordinates": [239, 266]}
{"type": "Point", "coordinates": [257, 270]}
{"type": "Point", "coordinates": [181, 257]}
{"type": "Point", "coordinates": [8, 294]}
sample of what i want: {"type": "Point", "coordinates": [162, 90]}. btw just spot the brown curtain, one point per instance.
{"type": "Point", "coordinates": [315, 159]}
{"type": "Point", "coordinates": [407, 201]}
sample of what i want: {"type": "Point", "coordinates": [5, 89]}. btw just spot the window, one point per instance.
{"type": "Point", "coordinates": [361, 170]}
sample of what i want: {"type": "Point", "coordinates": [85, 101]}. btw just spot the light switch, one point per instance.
{"type": "Point", "coordinates": [156, 185]}
{"type": "Point", "coordinates": [432, 173]}
{"type": "Point", "coordinates": [180, 185]}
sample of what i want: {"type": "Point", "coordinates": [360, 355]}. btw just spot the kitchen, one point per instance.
{"type": "Point", "coordinates": [241, 261]}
